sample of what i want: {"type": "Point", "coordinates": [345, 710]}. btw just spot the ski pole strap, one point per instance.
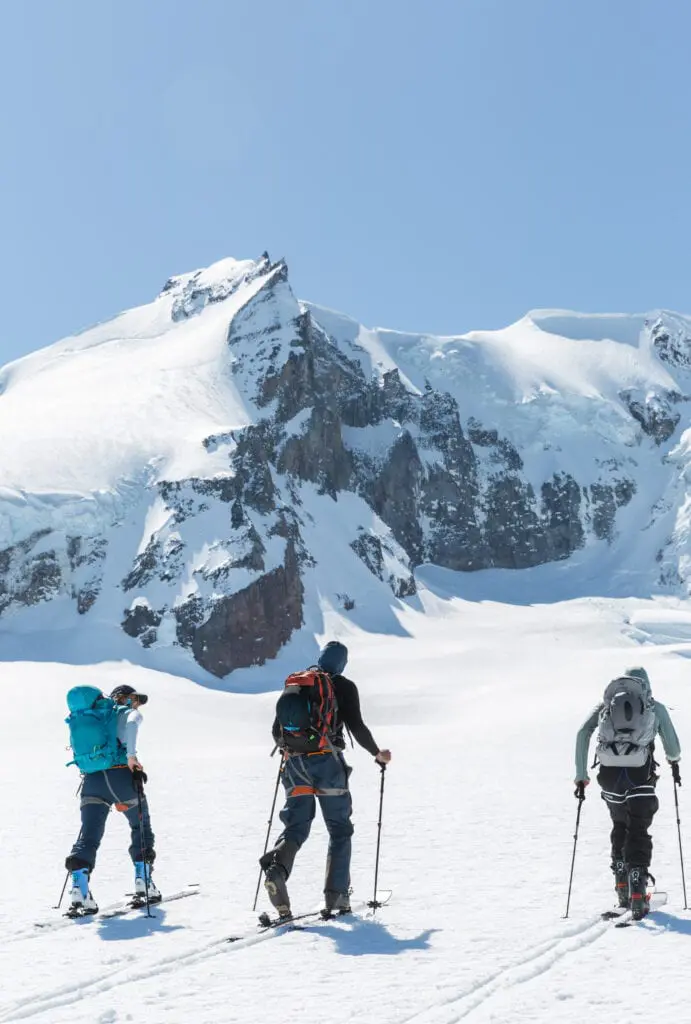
{"type": "Point", "coordinates": [579, 791]}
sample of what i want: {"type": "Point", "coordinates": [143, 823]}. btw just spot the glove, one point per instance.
{"type": "Point", "coordinates": [139, 777]}
{"type": "Point", "coordinates": [675, 772]}
{"type": "Point", "coordinates": [579, 791]}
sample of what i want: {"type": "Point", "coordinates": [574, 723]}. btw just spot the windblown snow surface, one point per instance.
{"type": "Point", "coordinates": [479, 701]}
{"type": "Point", "coordinates": [478, 684]}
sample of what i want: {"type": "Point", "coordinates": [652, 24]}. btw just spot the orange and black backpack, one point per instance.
{"type": "Point", "coordinates": [307, 711]}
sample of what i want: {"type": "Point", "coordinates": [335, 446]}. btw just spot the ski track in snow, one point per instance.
{"type": "Point", "coordinates": [534, 962]}
{"type": "Point", "coordinates": [20, 1009]}
{"type": "Point", "coordinates": [531, 964]}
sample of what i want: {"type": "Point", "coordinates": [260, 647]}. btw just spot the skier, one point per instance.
{"type": "Point", "coordinates": [103, 734]}
{"type": "Point", "coordinates": [323, 774]}
{"type": "Point", "coordinates": [628, 719]}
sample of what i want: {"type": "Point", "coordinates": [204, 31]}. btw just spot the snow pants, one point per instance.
{"type": "Point", "coordinates": [630, 797]}
{"type": "Point", "coordinates": [100, 792]}
{"type": "Point", "coordinates": [306, 779]}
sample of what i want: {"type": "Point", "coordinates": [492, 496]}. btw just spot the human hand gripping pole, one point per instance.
{"type": "Point", "coordinates": [579, 793]}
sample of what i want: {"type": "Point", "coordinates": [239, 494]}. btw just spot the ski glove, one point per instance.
{"type": "Point", "coordinates": [675, 773]}
{"type": "Point", "coordinates": [579, 791]}
{"type": "Point", "coordinates": [139, 777]}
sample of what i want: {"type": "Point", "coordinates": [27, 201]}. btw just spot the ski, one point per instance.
{"type": "Point", "coordinates": [614, 913]}
{"type": "Point", "coordinates": [112, 910]}
{"type": "Point", "coordinates": [136, 904]}
{"type": "Point", "coordinates": [657, 900]}
{"type": "Point", "coordinates": [273, 924]}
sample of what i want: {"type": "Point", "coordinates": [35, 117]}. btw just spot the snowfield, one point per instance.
{"type": "Point", "coordinates": [480, 702]}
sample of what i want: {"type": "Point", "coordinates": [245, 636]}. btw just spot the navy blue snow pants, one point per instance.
{"type": "Point", "coordinates": [306, 779]}
{"type": "Point", "coordinates": [100, 792]}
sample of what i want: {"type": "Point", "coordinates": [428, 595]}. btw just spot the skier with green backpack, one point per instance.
{"type": "Point", "coordinates": [103, 737]}
{"type": "Point", "coordinates": [628, 719]}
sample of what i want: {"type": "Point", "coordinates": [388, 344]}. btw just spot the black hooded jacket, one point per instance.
{"type": "Point", "coordinates": [349, 714]}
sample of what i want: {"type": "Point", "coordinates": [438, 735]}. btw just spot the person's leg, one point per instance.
{"type": "Point", "coordinates": [337, 807]}
{"type": "Point", "coordinates": [297, 815]}
{"type": "Point", "coordinates": [94, 808]}
{"type": "Point", "coordinates": [120, 783]}
{"type": "Point", "coordinates": [641, 805]}
{"type": "Point", "coordinates": [613, 784]}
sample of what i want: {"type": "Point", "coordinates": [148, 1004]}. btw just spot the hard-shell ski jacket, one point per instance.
{"type": "Point", "coordinates": [663, 726]}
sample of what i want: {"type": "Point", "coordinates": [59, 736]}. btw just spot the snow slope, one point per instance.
{"type": "Point", "coordinates": [480, 702]}
{"type": "Point", "coordinates": [163, 472]}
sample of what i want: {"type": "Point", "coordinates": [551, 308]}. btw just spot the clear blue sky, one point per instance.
{"type": "Point", "coordinates": [440, 165]}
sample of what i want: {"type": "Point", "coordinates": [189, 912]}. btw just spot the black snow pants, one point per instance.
{"type": "Point", "coordinates": [630, 797]}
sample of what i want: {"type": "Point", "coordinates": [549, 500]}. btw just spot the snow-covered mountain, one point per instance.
{"type": "Point", "coordinates": [214, 471]}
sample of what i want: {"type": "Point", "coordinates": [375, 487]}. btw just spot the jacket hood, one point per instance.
{"type": "Point", "coordinates": [640, 673]}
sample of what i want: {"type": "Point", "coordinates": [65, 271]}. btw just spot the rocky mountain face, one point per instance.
{"type": "Point", "coordinates": [222, 562]}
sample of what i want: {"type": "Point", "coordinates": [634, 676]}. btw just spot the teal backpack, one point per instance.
{"type": "Point", "coordinates": [93, 725]}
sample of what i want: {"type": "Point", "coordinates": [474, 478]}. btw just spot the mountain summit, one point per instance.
{"type": "Point", "coordinates": [209, 472]}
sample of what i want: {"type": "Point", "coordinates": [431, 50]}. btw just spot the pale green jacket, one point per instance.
{"type": "Point", "coordinates": [668, 735]}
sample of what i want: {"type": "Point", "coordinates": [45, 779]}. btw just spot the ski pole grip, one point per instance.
{"type": "Point", "coordinates": [579, 791]}
{"type": "Point", "coordinates": [675, 772]}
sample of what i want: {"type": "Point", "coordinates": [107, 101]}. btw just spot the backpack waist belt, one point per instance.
{"type": "Point", "coordinates": [313, 791]}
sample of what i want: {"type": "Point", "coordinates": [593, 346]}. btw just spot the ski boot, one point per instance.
{"type": "Point", "coordinates": [275, 878]}
{"type": "Point", "coordinates": [142, 881]}
{"type": "Point", "coordinates": [335, 904]}
{"type": "Point", "coordinates": [621, 882]}
{"type": "Point", "coordinates": [82, 902]}
{"type": "Point", "coordinates": [638, 893]}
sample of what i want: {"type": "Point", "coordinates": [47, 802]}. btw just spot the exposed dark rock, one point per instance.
{"type": "Point", "coordinates": [394, 492]}
{"type": "Point", "coordinates": [318, 453]}
{"type": "Point", "coordinates": [141, 622]}
{"type": "Point", "coordinates": [561, 507]}
{"type": "Point", "coordinates": [28, 577]}
{"type": "Point", "coordinates": [606, 499]}
{"type": "Point", "coordinates": [513, 530]}
{"type": "Point", "coordinates": [672, 346]}
{"type": "Point", "coordinates": [654, 412]}
{"type": "Point", "coordinates": [250, 626]}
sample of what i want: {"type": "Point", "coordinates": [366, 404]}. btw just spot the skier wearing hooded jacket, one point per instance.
{"type": "Point", "coordinates": [627, 779]}
{"type": "Point", "coordinates": [322, 776]}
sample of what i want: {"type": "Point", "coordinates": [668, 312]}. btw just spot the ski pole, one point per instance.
{"type": "Point", "coordinates": [579, 793]}
{"type": "Point", "coordinates": [374, 902]}
{"type": "Point", "coordinates": [677, 782]}
{"type": "Point", "coordinates": [139, 786]}
{"type": "Point", "coordinates": [268, 831]}
{"type": "Point", "coordinates": [64, 884]}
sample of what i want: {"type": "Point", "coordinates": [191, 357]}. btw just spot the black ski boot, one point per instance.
{"type": "Point", "coordinates": [621, 882]}
{"type": "Point", "coordinates": [275, 878]}
{"type": "Point", "coordinates": [336, 903]}
{"type": "Point", "coordinates": [638, 893]}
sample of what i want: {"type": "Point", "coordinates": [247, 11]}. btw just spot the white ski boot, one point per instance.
{"type": "Point", "coordinates": [140, 884]}
{"type": "Point", "coordinates": [82, 902]}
